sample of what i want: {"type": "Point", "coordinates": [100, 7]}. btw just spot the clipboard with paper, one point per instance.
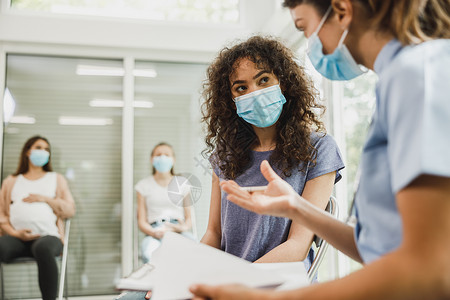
{"type": "Point", "coordinates": [181, 262]}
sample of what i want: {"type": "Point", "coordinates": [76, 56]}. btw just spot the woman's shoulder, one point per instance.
{"type": "Point", "coordinates": [413, 54]}
{"type": "Point", "coordinates": [61, 181]}
{"type": "Point", "coordinates": [145, 182]}
{"type": "Point", "coordinates": [319, 139]}
{"type": "Point", "coordinates": [146, 179]}
{"type": "Point", "coordinates": [58, 176]}
{"type": "Point", "coordinates": [327, 148]}
{"type": "Point", "coordinates": [412, 62]}
{"type": "Point", "coordinates": [9, 180]}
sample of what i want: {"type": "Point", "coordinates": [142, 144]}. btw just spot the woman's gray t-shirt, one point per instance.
{"type": "Point", "coordinates": [249, 235]}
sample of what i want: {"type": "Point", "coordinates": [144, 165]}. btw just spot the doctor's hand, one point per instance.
{"type": "Point", "coordinates": [279, 199]}
{"type": "Point", "coordinates": [36, 198]}
{"type": "Point", "coordinates": [26, 235]}
{"type": "Point", "coordinates": [225, 292]}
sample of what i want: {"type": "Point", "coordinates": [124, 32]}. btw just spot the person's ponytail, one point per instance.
{"type": "Point", "coordinates": [411, 21]}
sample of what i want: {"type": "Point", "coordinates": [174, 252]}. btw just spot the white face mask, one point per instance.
{"type": "Point", "coordinates": [261, 108]}
{"type": "Point", "coordinates": [338, 65]}
{"type": "Point", "coordinates": [163, 163]}
{"type": "Point", "coordinates": [39, 157]}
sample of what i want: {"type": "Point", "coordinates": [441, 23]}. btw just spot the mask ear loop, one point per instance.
{"type": "Point", "coordinates": [324, 18]}
{"type": "Point", "coordinates": [344, 35]}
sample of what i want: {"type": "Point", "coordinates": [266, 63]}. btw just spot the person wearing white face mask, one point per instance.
{"type": "Point", "coordinates": [259, 105]}
{"type": "Point", "coordinates": [402, 234]}
{"type": "Point", "coordinates": [157, 214]}
{"type": "Point", "coordinates": [34, 203]}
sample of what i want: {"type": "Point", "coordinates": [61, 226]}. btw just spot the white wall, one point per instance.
{"type": "Point", "coordinates": [140, 35]}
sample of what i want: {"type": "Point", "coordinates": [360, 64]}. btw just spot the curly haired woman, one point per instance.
{"type": "Point", "coordinates": [260, 105]}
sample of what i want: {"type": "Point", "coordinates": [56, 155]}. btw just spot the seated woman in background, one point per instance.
{"type": "Point", "coordinates": [34, 203]}
{"type": "Point", "coordinates": [260, 105]}
{"type": "Point", "coordinates": [157, 214]}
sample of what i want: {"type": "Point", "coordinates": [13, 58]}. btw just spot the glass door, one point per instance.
{"type": "Point", "coordinates": [60, 98]}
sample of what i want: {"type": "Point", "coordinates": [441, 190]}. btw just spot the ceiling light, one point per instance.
{"type": "Point", "coordinates": [105, 103]}
{"type": "Point", "coordinates": [143, 104]}
{"type": "Point", "coordinates": [119, 103]}
{"type": "Point", "coordinates": [151, 73]}
{"type": "Point", "coordinates": [99, 71]}
{"type": "Point", "coordinates": [91, 70]}
{"type": "Point", "coordinates": [84, 121]}
{"type": "Point", "coordinates": [22, 120]}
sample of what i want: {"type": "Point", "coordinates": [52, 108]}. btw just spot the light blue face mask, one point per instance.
{"type": "Point", "coordinates": [261, 108]}
{"type": "Point", "coordinates": [39, 157]}
{"type": "Point", "coordinates": [338, 65]}
{"type": "Point", "coordinates": [163, 163]}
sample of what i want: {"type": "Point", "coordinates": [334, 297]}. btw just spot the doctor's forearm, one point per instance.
{"type": "Point", "coordinates": [334, 231]}
{"type": "Point", "coordinates": [391, 277]}
{"type": "Point", "coordinates": [289, 251]}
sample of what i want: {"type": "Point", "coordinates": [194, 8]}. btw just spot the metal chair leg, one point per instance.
{"type": "Point", "coordinates": [1, 274]}
{"type": "Point", "coordinates": [66, 288]}
{"type": "Point", "coordinates": [64, 261]}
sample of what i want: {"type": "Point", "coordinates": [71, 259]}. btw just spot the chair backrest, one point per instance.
{"type": "Point", "coordinates": [321, 244]}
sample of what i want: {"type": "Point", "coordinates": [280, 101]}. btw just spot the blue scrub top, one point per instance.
{"type": "Point", "coordinates": [409, 136]}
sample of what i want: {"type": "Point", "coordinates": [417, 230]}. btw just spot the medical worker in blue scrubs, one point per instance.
{"type": "Point", "coordinates": [402, 235]}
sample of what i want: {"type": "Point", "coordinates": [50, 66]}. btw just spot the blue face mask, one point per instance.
{"type": "Point", "coordinates": [338, 65]}
{"type": "Point", "coordinates": [39, 157]}
{"type": "Point", "coordinates": [163, 163]}
{"type": "Point", "coordinates": [261, 108]}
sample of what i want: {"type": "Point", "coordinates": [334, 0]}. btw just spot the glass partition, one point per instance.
{"type": "Point", "coordinates": [167, 109]}
{"type": "Point", "coordinates": [359, 104]}
{"type": "Point", "coordinates": [58, 99]}
{"type": "Point", "coordinates": [349, 107]}
{"type": "Point", "coordinates": [358, 107]}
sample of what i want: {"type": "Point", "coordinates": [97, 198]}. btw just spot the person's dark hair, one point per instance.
{"type": "Point", "coordinates": [410, 21]}
{"type": "Point", "coordinates": [230, 139]}
{"type": "Point", "coordinates": [24, 160]}
{"type": "Point", "coordinates": [320, 5]}
{"type": "Point", "coordinates": [153, 151]}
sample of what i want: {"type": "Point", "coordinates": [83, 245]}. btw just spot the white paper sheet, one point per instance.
{"type": "Point", "coordinates": [180, 262]}
{"type": "Point", "coordinates": [140, 280]}
{"type": "Point", "coordinates": [293, 273]}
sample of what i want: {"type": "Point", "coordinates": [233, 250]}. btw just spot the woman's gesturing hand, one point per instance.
{"type": "Point", "coordinates": [279, 199]}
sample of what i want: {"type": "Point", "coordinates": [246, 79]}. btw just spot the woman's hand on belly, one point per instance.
{"type": "Point", "coordinates": [36, 198]}
{"type": "Point", "coordinates": [26, 235]}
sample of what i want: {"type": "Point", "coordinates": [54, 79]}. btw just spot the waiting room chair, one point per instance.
{"type": "Point", "coordinates": [321, 244]}
{"type": "Point", "coordinates": [62, 257]}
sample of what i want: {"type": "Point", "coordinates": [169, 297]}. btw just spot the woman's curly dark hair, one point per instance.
{"type": "Point", "coordinates": [230, 139]}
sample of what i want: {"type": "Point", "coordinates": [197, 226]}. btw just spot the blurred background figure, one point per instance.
{"type": "Point", "coordinates": [35, 201]}
{"type": "Point", "coordinates": [157, 214]}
